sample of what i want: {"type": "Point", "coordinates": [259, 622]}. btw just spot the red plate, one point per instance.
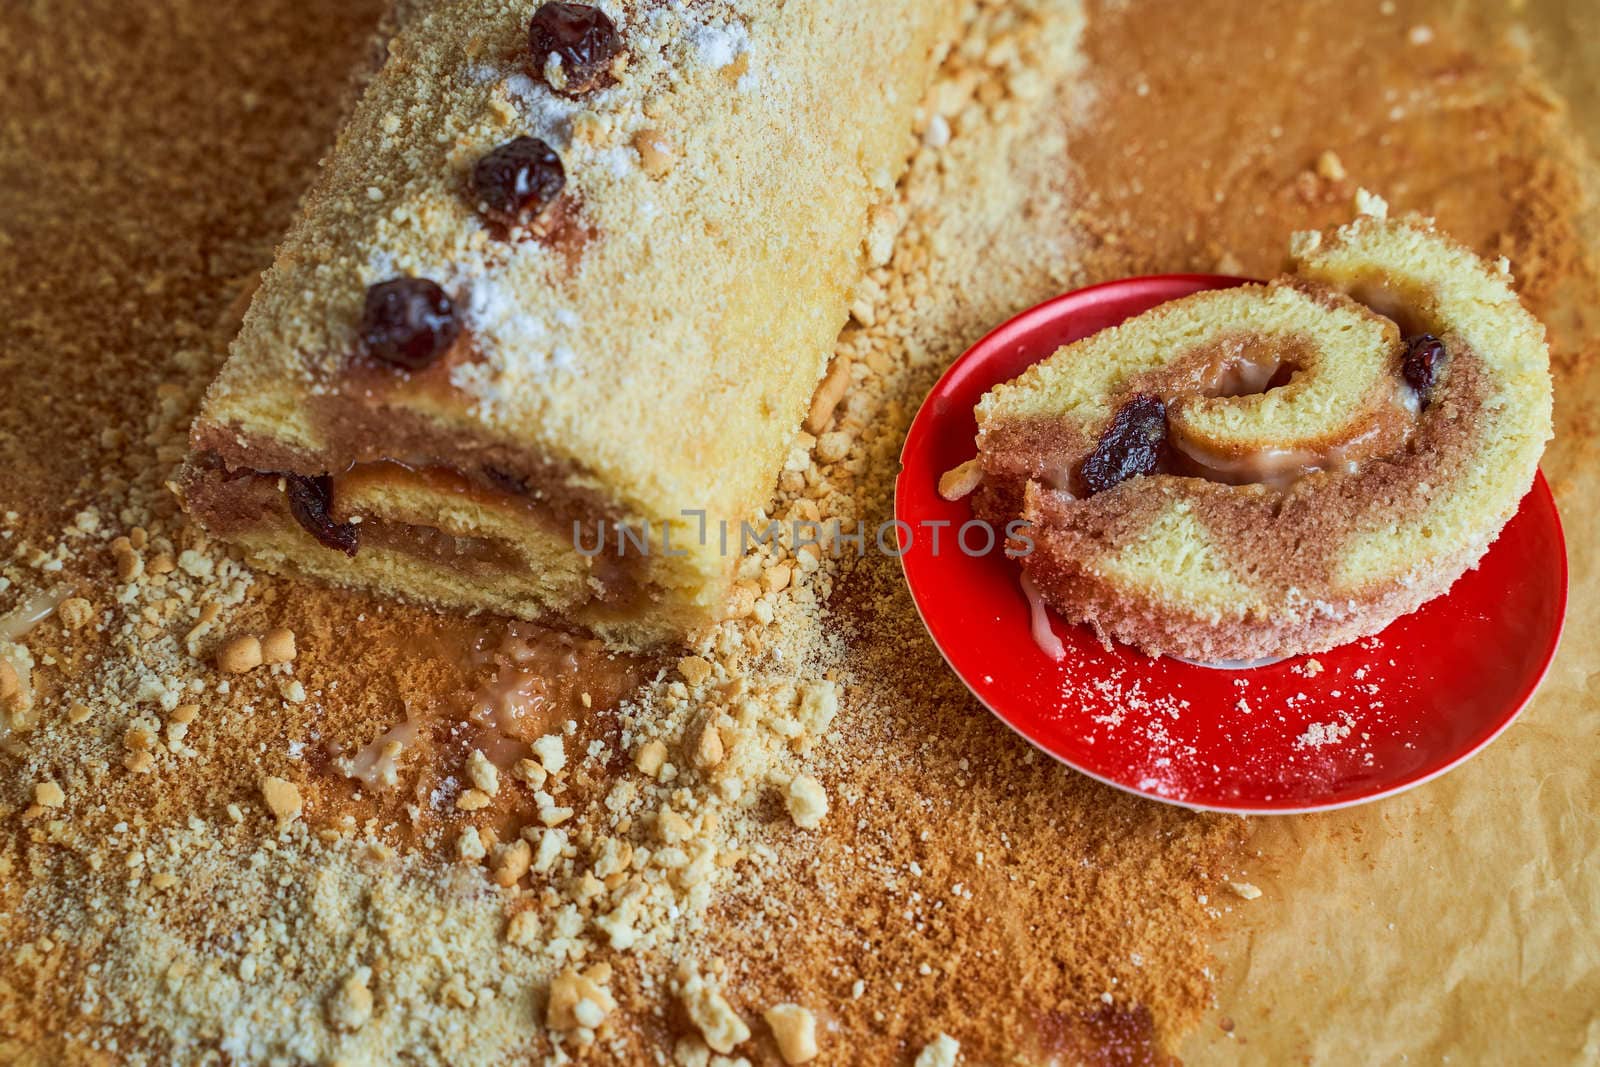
{"type": "Point", "coordinates": [1382, 715]}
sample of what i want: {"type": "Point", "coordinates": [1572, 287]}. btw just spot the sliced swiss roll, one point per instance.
{"type": "Point", "coordinates": [552, 314]}
{"type": "Point", "coordinates": [1277, 469]}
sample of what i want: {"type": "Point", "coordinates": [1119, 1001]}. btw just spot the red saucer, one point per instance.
{"type": "Point", "coordinates": [1382, 715]}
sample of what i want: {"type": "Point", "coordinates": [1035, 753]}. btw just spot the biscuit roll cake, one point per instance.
{"type": "Point", "coordinates": [567, 269]}
{"type": "Point", "coordinates": [1277, 469]}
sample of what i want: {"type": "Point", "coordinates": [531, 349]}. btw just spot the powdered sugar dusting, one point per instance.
{"type": "Point", "coordinates": [548, 116]}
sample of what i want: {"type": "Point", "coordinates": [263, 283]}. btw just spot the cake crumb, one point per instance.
{"type": "Point", "coordinates": [579, 1001]}
{"type": "Point", "coordinates": [75, 612]}
{"type": "Point", "coordinates": [1330, 167]}
{"type": "Point", "coordinates": [1245, 890]}
{"type": "Point", "coordinates": [350, 1006]}
{"type": "Point", "coordinates": [794, 1028]}
{"type": "Point", "coordinates": [711, 1013]}
{"type": "Point", "coordinates": [650, 757]}
{"type": "Point", "coordinates": [239, 655]}
{"type": "Point", "coordinates": [129, 564]}
{"type": "Point", "coordinates": [277, 646]}
{"type": "Point", "coordinates": [960, 482]}
{"type": "Point", "coordinates": [883, 228]}
{"type": "Point", "coordinates": [942, 1051]}
{"type": "Point", "coordinates": [706, 746]}
{"type": "Point", "coordinates": [833, 446]}
{"type": "Point", "coordinates": [531, 773]}
{"type": "Point", "coordinates": [1368, 203]}
{"type": "Point", "coordinates": [12, 692]}
{"type": "Point", "coordinates": [775, 578]}
{"type": "Point", "coordinates": [482, 773]}
{"type": "Point", "coordinates": [283, 800]}
{"type": "Point", "coordinates": [551, 753]}
{"type": "Point", "coordinates": [49, 795]}
{"type": "Point", "coordinates": [807, 801]}
{"type": "Point", "coordinates": [469, 846]}
{"type": "Point", "coordinates": [511, 862]}
{"type": "Point", "coordinates": [829, 394]}
{"type": "Point", "coordinates": [657, 157]}
{"type": "Point", "coordinates": [695, 669]}
{"type": "Point", "coordinates": [522, 929]}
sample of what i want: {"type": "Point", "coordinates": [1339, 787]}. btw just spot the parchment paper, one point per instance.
{"type": "Point", "coordinates": [1459, 922]}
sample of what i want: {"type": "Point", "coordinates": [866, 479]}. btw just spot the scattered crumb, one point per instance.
{"type": "Point", "coordinates": [807, 801]}
{"type": "Point", "coordinates": [277, 646]}
{"type": "Point", "coordinates": [282, 798]}
{"type": "Point", "coordinates": [795, 1030]}
{"type": "Point", "coordinates": [239, 655]}
{"type": "Point", "coordinates": [1330, 167]}
{"type": "Point", "coordinates": [942, 1051]}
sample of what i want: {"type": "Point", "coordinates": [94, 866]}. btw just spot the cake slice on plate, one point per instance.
{"type": "Point", "coordinates": [552, 314]}
{"type": "Point", "coordinates": [1275, 469]}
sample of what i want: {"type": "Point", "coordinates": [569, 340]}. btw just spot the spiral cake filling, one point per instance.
{"type": "Point", "coordinates": [1270, 470]}
{"type": "Point", "coordinates": [1257, 369]}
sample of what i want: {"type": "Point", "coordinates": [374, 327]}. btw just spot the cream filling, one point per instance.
{"type": "Point", "coordinates": [616, 578]}
{"type": "Point", "coordinates": [16, 624]}
{"type": "Point", "coordinates": [1039, 622]}
{"type": "Point", "coordinates": [377, 764]}
{"type": "Point", "coordinates": [1277, 466]}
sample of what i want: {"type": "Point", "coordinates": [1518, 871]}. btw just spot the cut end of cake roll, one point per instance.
{"type": "Point", "coordinates": [477, 539]}
{"type": "Point", "coordinates": [1272, 470]}
{"type": "Point", "coordinates": [541, 339]}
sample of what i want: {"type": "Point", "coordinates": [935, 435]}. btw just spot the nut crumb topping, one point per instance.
{"type": "Point", "coordinates": [960, 482]}
{"type": "Point", "coordinates": [795, 1030]}
{"type": "Point", "coordinates": [942, 1051]}
{"type": "Point", "coordinates": [709, 1010]}
{"type": "Point", "coordinates": [239, 655]}
{"type": "Point", "coordinates": [283, 800]}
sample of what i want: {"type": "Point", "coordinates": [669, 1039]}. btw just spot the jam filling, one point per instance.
{"type": "Point", "coordinates": [311, 504]}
